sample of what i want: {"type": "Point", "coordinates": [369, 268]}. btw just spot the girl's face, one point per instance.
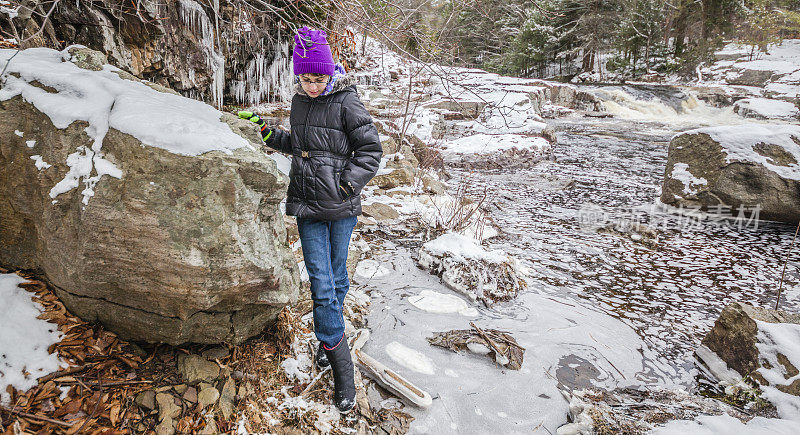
{"type": "Point", "coordinates": [313, 84]}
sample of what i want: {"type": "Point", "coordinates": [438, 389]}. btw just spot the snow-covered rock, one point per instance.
{"type": "Point", "coordinates": [765, 108]}
{"type": "Point", "coordinates": [496, 151]}
{"type": "Point", "coordinates": [777, 71]}
{"type": "Point", "coordinates": [156, 216]}
{"type": "Point", "coordinates": [725, 168]}
{"type": "Point", "coordinates": [466, 267]}
{"type": "Point", "coordinates": [761, 344]}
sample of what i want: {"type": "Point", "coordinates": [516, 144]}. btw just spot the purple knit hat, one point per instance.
{"type": "Point", "coordinates": [312, 54]}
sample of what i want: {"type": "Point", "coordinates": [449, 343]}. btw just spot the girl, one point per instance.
{"type": "Point", "coordinates": [335, 151]}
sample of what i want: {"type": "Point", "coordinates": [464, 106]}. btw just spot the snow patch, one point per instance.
{"type": "Point", "coordinates": [40, 164]}
{"type": "Point", "coordinates": [717, 366]}
{"type": "Point", "coordinates": [680, 172]}
{"type": "Point", "coordinates": [25, 339]}
{"type": "Point", "coordinates": [766, 108]}
{"type": "Point", "coordinates": [725, 424]}
{"type": "Point", "coordinates": [490, 143]}
{"type": "Point", "coordinates": [780, 339]}
{"type": "Point", "coordinates": [462, 247]}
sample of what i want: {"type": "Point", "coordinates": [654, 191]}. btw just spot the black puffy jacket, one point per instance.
{"type": "Point", "coordinates": [332, 140]}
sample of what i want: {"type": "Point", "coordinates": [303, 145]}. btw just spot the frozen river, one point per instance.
{"type": "Point", "coordinates": [605, 308]}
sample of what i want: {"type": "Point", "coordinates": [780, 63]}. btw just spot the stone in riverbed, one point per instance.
{"type": "Point", "coordinates": [396, 178]}
{"type": "Point", "coordinates": [759, 343]}
{"type": "Point", "coordinates": [725, 168]}
{"type": "Point", "coordinates": [432, 185]}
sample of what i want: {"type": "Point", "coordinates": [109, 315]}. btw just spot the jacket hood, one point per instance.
{"type": "Point", "coordinates": [340, 84]}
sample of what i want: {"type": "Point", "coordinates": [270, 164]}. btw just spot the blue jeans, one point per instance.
{"type": "Point", "coordinates": [325, 246]}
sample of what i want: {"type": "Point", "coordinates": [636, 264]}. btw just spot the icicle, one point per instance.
{"type": "Point", "coordinates": [194, 18]}
{"type": "Point", "coordinates": [264, 78]}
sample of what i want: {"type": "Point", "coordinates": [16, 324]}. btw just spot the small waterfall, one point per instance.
{"type": "Point", "coordinates": [661, 103]}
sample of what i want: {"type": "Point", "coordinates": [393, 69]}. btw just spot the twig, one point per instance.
{"type": "Point", "coordinates": [36, 417]}
{"type": "Point", "coordinates": [314, 382]}
{"type": "Point", "coordinates": [105, 384]}
{"type": "Point", "coordinates": [489, 341]}
{"type": "Point", "coordinates": [69, 371]}
{"type": "Point", "coordinates": [780, 288]}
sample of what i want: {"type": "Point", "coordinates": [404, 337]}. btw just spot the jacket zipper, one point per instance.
{"type": "Point", "coordinates": [304, 144]}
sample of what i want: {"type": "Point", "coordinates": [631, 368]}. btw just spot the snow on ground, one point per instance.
{"type": "Point", "coordinates": [783, 339]}
{"type": "Point", "coordinates": [780, 59]}
{"type": "Point", "coordinates": [738, 141]}
{"type": "Point", "coordinates": [25, 339]}
{"type": "Point", "coordinates": [460, 246]}
{"type": "Point", "coordinates": [507, 102]}
{"type": "Point", "coordinates": [177, 124]}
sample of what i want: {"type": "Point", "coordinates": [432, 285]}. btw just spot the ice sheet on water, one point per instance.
{"type": "Point", "coordinates": [410, 358]}
{"type": "Point", "coordinates": [441, 303]}
{"type": "Point", "coordinates": [369, 269]}
{"type": "Point", "coordinates": [548, 326]}
{"type": "Point", "coordinates": [725, 424]}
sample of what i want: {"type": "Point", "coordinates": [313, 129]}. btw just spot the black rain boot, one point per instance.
{"type": "Point", "coordinates": [322, 358]}
{"type": "Point", "coordinates": [344, 388]}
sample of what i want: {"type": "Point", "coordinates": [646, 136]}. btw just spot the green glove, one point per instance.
{"type": "Point", "coordinates": [250, 116]}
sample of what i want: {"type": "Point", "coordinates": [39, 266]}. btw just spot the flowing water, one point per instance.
{"type": "Point", "coordinates": [616, 306]}
{"type": "Point", "coordinates": [669, 290]}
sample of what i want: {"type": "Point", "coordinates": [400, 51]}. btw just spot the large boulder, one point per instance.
{"type": "Point", "coordinates": [752, 77]}
{"type": "Point", "coordinates": [147, 211]}
{"type": "Point", "coordinates": [753, 342]}
{"type": "Point", "coordinates": [751, 166]}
